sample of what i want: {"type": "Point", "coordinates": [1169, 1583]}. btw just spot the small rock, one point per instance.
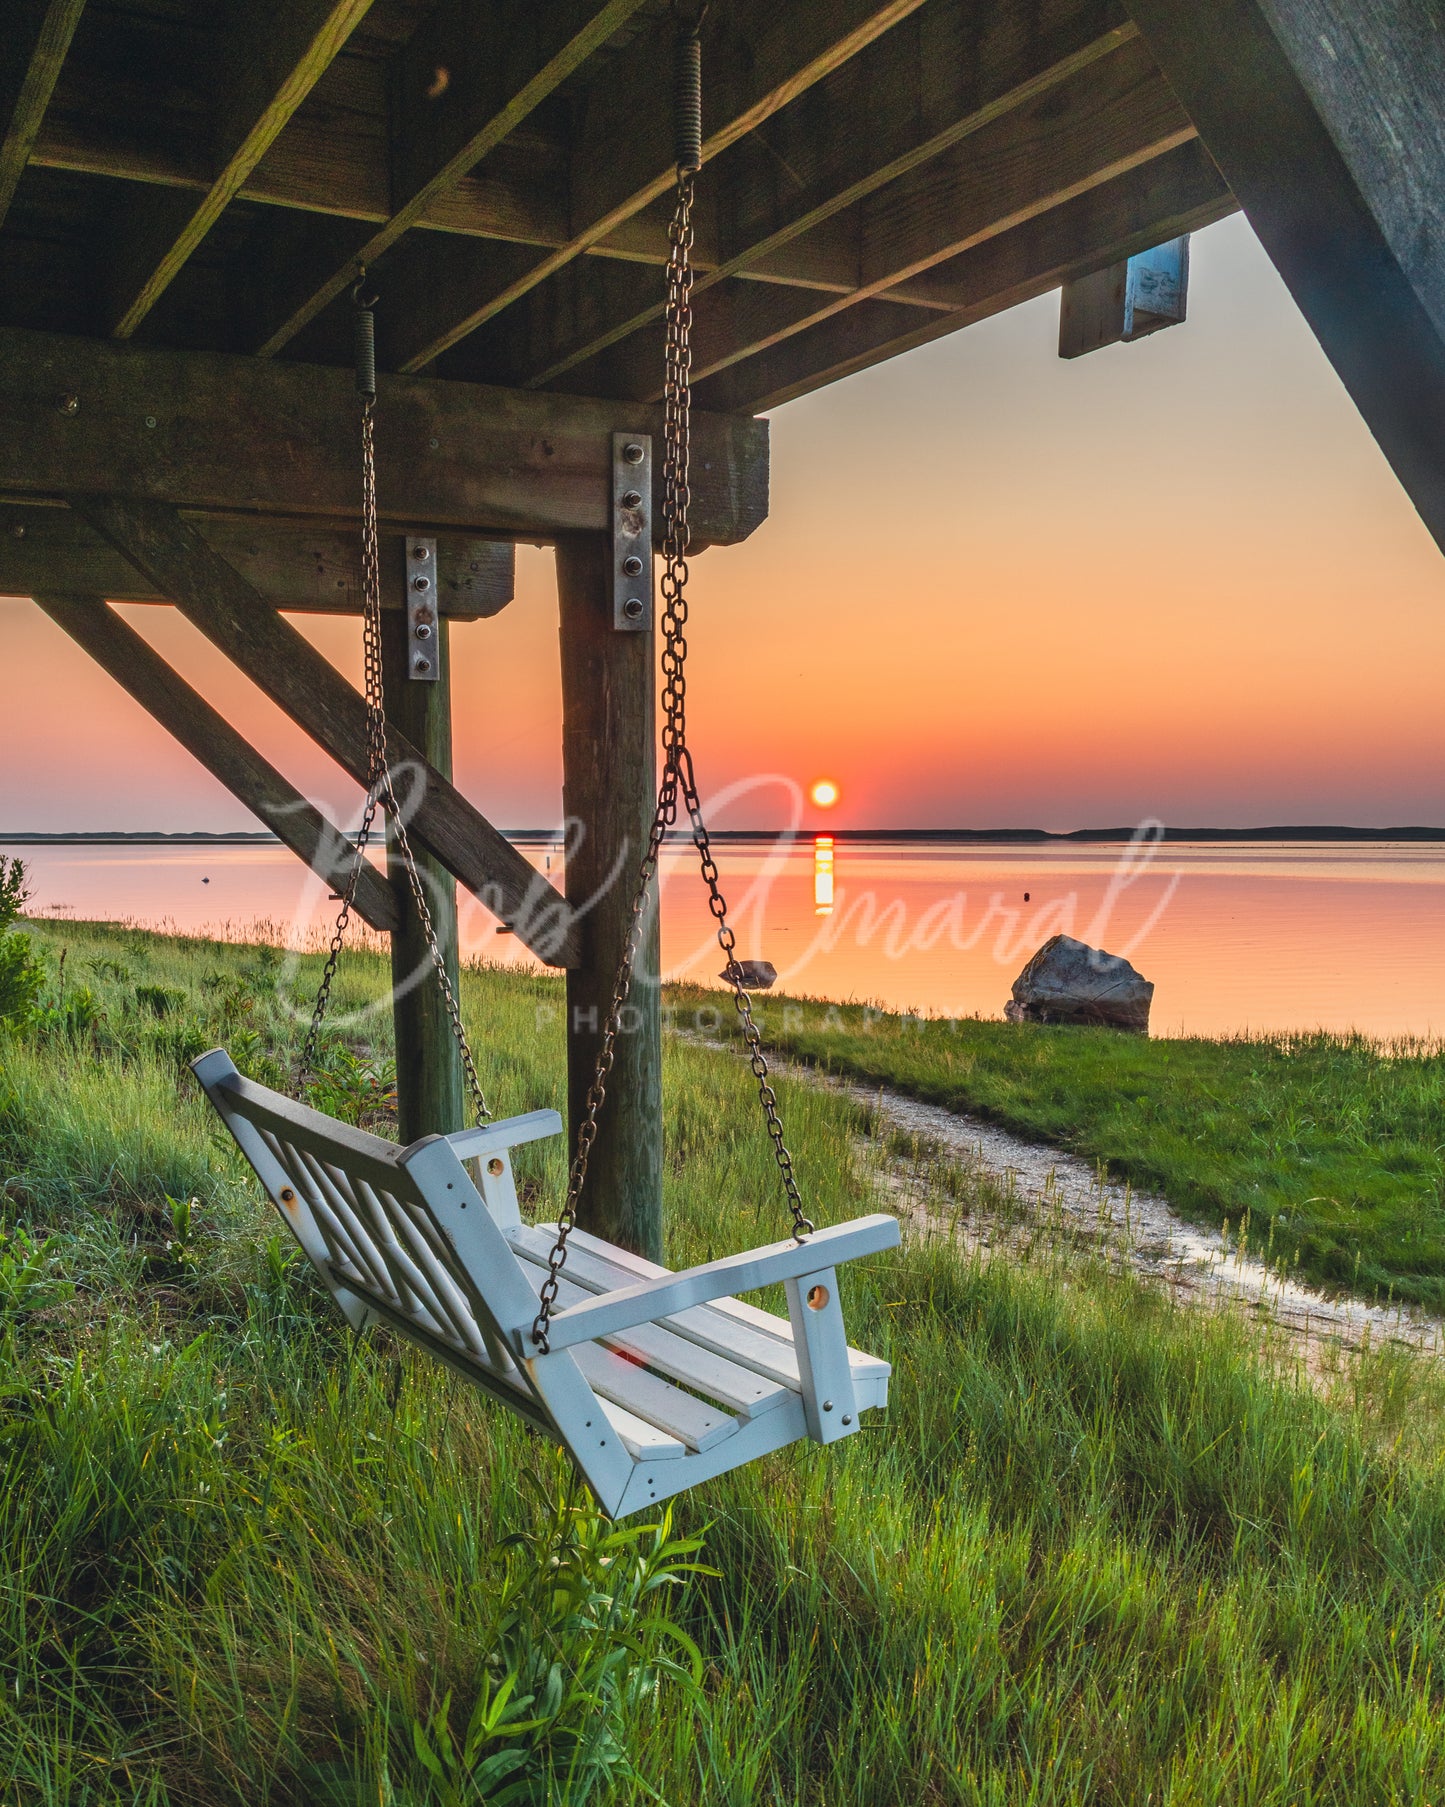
{"type": "Point", "coordinates": [756, 975]}
{"type": "Point", "coordinates": [1068, 981]}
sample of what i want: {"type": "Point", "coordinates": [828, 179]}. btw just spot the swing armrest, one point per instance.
{"type": "Point", "coordinates": [467, 1144]}
{"type": "Point", "coordinates": [649, 1300]}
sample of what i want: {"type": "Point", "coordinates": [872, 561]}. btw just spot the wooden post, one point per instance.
{"type": "Point", "coordinates": [608, 792]}
{"type": "Point", "coordinates": [429, 1090]}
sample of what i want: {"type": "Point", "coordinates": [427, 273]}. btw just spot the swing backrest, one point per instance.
{"type": "Point", "coordinates": [404, 1236]}
{"type": "Point", "coordinates": [356, 1208]}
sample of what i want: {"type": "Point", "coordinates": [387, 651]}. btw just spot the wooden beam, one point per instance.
{"type": "Point", "coordinates": [608, 794]}
{"type": "Point", "coordinates": [1106, 118]}
{"type": "Point", "coordinates": [1326, 117]}
{"type": "Point", "coordinates": [757, 58]}
{"type": "Point", "coordinates": [208, 737]}
{"type": "Point", "coordinates": [230, 435]}
{"type": "Point", "coordinates": [1180, 192]}
{"type": "Point", "coordinates": [933, 81]}
{"type": "Point", "coordinates": [34, 41]}
{"type": "Point", "coordinates": [308, 572]}
{"type": "Point", "coordinates": [210, 593]}
{"type": "Point", "coordinates": [430, 1095]}
{"type": "Point", "coordinates": [273, 57]}
{"type": "Point", "coordinates": [460, 91]}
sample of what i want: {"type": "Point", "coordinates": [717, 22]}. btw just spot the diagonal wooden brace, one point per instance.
{"type": "Point", "coordinates": [213, 594]}
{"type": "Point", "coordinates": [209, 737]}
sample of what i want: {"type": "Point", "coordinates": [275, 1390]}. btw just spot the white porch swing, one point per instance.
{"type": "Point", "coordinates": [653, 1381]}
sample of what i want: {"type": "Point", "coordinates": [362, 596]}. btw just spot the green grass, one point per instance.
{"type": "Point", "coordinates": [1097, 1551]}
{"type": "Point", "coordinates": [1328, 1149]}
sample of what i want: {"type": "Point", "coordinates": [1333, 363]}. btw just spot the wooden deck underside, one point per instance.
{"type": "Point", "coordinates": [879, 173]}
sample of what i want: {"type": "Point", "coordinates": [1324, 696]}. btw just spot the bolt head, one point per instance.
{"type": "Point", "coordinates": [420, 663]}
{"type": "Point", "coordinates": [17, 532]}
{"type": "Point", "coordinates": [150, 420]}
{"type": "Point", "coordinates": [433, 443]}
{"type": "Point", "coordinates": [633, 452]}
{"type": "Point", "coordinates": [421, 553]}
{"type": "Point", "coordinates": [423, 632]}
{"type": "Point", "coordinates": [632, 499]}
{"type": "Point", "coordinates": [632, 565]}
{"type": "Point", "coordinates": [632, 608]}
{"type": "Point", "coordinates": [421, 583]}
{"type": "Point", "coordinates": [69, 404]}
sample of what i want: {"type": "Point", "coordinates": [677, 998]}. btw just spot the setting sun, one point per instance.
{"type": "Point", "coordinates": [824, 793]}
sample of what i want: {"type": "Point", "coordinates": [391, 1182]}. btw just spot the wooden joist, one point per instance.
{"type": "Point", "coordinates": [310, 571]}
{"type": "Point", "coordinates": [1180, 192]}
{"type": "Point", "coordinates": [1104, 119]}
{"type": "Point", "coordinates": [34, 38]}
{"type": "Point", "coordinates": [460, 91]}
{"type": "Point", "coordinates": [212, 595]}
{"type": "Point", "coordinates": [209, 737]}
{"type": "Point", "coordinates": [271, 59]}
{"type": "Point", "coordinates": [323, 191]}
{"type": "Point", "coordinates": [1326, 118]}
{"type": "Point", "coordinates": [759, 57]}
{"type": "Point", "coordinates": [239, 436]}
{"type": "Point", "coordinates": [927, 85]}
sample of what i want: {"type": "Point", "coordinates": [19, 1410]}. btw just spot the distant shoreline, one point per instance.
{"type": "Point", "coordinates": [902, 837]}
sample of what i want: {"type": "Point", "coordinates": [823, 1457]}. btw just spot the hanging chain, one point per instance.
{"type": "Point", "coordinates": [380, 790]}
{"type": "Point", "coordinates": [678, 780]}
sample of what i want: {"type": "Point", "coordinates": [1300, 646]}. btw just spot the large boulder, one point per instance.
{"type": "Point", "coordinates": [1068, 981]}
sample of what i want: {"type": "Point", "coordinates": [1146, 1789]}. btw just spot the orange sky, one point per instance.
{"type": "Point", "coordinates": [1174, 578]}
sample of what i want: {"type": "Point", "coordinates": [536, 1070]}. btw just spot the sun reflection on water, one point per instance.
{"type": "Point", "coordinates": [823, 875]}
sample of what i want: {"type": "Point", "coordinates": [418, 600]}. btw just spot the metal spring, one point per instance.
{"type": "Point", "coordinates": [687, 101]}
{"type": "Point", "coordinates": [365, 344]}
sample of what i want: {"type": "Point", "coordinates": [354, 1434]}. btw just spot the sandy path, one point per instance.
{"type": "Point", "coordinates": [1044, 1194]}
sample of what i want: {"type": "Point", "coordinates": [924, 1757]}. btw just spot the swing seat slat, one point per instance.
{"type": "Point", "coordinates": [744, 1392]}
{"type": "Point", "coordinates": [654, 1381]}
{"type": "Point", "coordinates": [744, 1333]}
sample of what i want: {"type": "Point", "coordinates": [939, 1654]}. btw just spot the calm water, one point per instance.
{"type": "Point", "coordinates": [1234, 936]}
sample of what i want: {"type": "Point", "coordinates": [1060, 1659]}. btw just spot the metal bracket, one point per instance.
{"type": "Point", "coordinates": [423, 611]}
{"type": "Point", "coordinates": [631, 532]}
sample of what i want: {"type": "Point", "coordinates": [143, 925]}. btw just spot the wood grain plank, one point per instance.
{"type": "Point", "coordinates": [33, 47]}
{"type": "Point", "coordinates": [923, 88]}
{"type": "Point", "coordinates": [450, 456]}
{"type": "Point", "coordinates": [492, 81]}
{"type": "Point", "coordinates": [276, 55]}
{"type": "Point", "coordinates": [757, 58]}
{"type": "Point", "coordinates": [1107, 117]}
{"type": "Point", "coordinates": [1179, 192]}
{"type": "Point", "coordinates": [304, 570]}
